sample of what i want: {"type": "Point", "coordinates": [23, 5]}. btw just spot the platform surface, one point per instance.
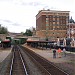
{"type": "Point", "coordinates": [4, 53]}
{"type": "Point", "coordinates": [65, 63]}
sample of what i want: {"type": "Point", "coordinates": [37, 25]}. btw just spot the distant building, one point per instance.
{"type": "Point", "coordinates": [33, 38]}
{"type": "Point", "coordinates": [71, 29]}
{"type": "Point", "coordinates": [15, 35]}
{"type": "Point", "coordinates": [52, 24]}
{"type": "Point", "coordinates": [3, 36]}
{"type": "Point", "coordinates": [34, 32]}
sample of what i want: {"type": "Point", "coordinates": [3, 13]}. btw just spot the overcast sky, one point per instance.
{"type": "Point", "coordinates": [19, 15]}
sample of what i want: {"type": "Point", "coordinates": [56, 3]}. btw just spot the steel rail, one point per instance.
{"type": "Point", "coordinates": [23, 63]}
{"type": "Point", "coordinates": [45, 60]}
{"type": "Point", "coordinates": [12, 63]}
{"type": "Point", "coordinates": [36, 62]}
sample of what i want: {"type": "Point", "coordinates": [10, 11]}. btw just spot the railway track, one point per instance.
{"type": "Point", "coordinates": [48, 66]}
{"type": "Point", "coordinates": [17, 64]}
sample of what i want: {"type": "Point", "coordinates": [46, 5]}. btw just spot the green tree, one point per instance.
{"type": "Point", "coordinates": [28, 32]}
{"type": "Point", "coordinates": [3, 30]}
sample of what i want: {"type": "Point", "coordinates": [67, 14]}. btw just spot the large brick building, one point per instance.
{"type": "Point", "coordinates": [52, 24]}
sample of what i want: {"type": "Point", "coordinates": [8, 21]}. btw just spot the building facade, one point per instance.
{"type": "Point", "coordinates": [71, 29]}
{"type": "Point", "coordinates": [52, 24]}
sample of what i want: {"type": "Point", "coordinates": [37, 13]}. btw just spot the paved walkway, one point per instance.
{"type": "Point", "coordinates": [4, 54]}
{"type": "Point", "coordinates": [65, 63]}
{"type": "Point", "coordinates": [48, 54]}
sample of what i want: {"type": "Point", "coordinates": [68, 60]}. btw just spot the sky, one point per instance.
{"type": "Point", "coordinates": [19, 15]}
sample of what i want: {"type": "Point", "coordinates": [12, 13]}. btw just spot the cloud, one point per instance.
{"type": "Point", "coordinates": [8, 22]}
{"type": "Point", "coordinates": [32, 3]}
{"type": "Point", "coordinates": [5, 21]}
{"type": "Point", "coordinates": [20, 14]}
{"type": "Point", "coordinates": [16, 24]}
{"type": "Point", "coordinates": [28, 3]}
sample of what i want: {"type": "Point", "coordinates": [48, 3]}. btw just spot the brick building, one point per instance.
{"type": "Point", "coordinates": [52, 24]}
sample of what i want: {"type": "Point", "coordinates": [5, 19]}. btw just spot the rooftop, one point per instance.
{"type": "Point", "coordinates": [71, 20]}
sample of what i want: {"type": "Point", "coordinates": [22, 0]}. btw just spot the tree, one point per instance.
{"type": "Point", "coordinates": [28, 32]}
{"type": "Point", "coordinates": [3, 30]}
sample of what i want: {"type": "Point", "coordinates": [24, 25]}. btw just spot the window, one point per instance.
{"type": "Point", "coordinates": [57, 22]}
{"type": "Point", "coordinates": [47, 24]}
{"type": "Point", "coordinates": [47, 19]}
{"type": "Point", "coordinates": [47, 16]}
{"type": "Point", "coordinates": [47, 28]}
{"type": "Point", "coordinates": [53, 23]}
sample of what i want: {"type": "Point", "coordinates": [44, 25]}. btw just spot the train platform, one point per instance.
{"type": "Point", "coordinates": [4, 53]}
{"type": "Point", "coordinates": [65, 63]}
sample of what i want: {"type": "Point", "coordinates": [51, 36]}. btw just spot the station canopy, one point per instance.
{"type": "Point", "coordinates": [6, 40]}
